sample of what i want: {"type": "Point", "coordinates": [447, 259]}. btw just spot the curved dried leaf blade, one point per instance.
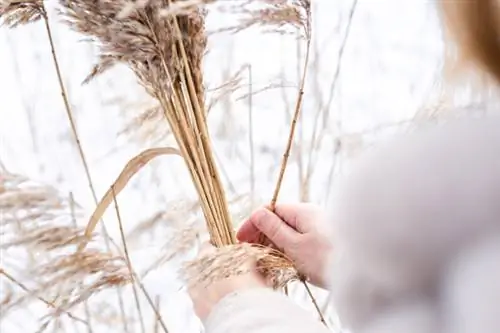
{"type": "Point", "coordinates": [132, 167]}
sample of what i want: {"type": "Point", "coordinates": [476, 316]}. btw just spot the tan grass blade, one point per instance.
{"type": "Point", "coordinates": [132, 167]}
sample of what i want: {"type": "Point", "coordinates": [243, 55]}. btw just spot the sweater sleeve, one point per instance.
{"type": "Point", "coordinates": [261, 310]}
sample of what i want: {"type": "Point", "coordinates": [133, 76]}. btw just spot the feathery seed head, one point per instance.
{"type": "Point", "coordinates": [19, 12]}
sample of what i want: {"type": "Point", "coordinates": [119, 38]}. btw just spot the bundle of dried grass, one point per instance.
{"type": "Point", "coordinates": [233, 260]}
{"type": "Point", "coordinates": [164, 48]}
{"type": "Point", "coordinates": [163, 43]}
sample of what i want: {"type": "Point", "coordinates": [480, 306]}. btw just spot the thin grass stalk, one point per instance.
{"type": "Point", "coordinates": [152, 304]}
{"type": "Point", "coordinates": [67, 106]}
{"type": "Point", "coordinates": [303, 191]}
{"type": "Point", "coordinates": [27, 103]}
{"type": "Point", "coordinates": [134, 276]}
{"type": "Point", "coordinates": [332, 89]}
{"type": "Point", "coordinates": [286, 155]}
{"type": "Point", "coordinates": [250, 136]}
{"type": "Point", "coordinates": [338, 146]}
{"type": "Point", "coordinates": [50, 304]}
{"type": "Point", "coordinates": [58, 326]}
{"type": "Point", "coordinates": [335, 164]}
{"type": "Point", "coordinates": [86, 308]}
{"type": "Point", "coordinates": [156, 326]}
{"type": "Point", "coordinates": [315, 302]}
{"type": "Point", "coordinates": [76, 328]}
{"type": "Point", "coordinates": [298, 108]}
{"type": "Point", "coordinates": [129, 264]}
{"type": "Point", "coordinates": [69, 113]}
{"type": "Point", "coordinates": [224, 172]}
{"type": "Point", "coordinates": [319, 106]}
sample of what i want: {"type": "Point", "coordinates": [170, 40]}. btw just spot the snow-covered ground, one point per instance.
{"type": "Point", "coordinates": [389, 70]}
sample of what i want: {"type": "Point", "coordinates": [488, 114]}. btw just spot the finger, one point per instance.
{"type": "Point", "coordinates": [248, 232]}
{"type": "Point", "coordinates": [273, 227]}
{"type": "Point", "coordinates": [288, 213]}
{"type": "Point", "coordinates": [301, 217]}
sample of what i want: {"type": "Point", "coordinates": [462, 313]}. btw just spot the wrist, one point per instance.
{"type": "Point", "coordinates": [219, 291]}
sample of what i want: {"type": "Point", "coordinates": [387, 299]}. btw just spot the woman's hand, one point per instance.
{"type": "Point", "coordinates": [299, 231]}
{"type": "Point", "coordinates": [205, 298]}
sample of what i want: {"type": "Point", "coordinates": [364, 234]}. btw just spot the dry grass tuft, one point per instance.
{"type": "Point", "coordinates": [26, 203]}
{"type": "Point", "coordinates": [47, 237]}
{"type": "Point", "coordinates": [276, 16]}
{"type": "Point", "coordinates": [97, 270]}
{"type": "Point", "coordinates": [233, 260]}
{"type": "Point", "coordinates": [38, 220]}
{"type": "Point", "coordinates": [143, 36]}
{"type": "Point", "coordinates": [19, 12]}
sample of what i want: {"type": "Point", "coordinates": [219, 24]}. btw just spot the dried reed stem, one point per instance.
{"type": "Point", "coordinates": [250, 136]}
{"type": "Point", "coordinates": [303, 187]}
{"type": "Point", "coordinates": [315, 303]}
{"type": "Point", "coordinates": [298, 107]}
{"type": "Point", "coordinates": [333, 87]}
{"type": "Point", "coordinates": [69, 114]}
{"type": "Point", "coordinates": [85, 303]}
{"type": "Point", "coordinates": [129, 264]}
{"type": "Point", "coordinates": [134, 277]}
{"type": "Point", "coordinates": [156, 327]}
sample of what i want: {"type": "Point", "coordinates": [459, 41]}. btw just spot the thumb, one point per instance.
{"type": "Point", "coordinates": [271, 225]}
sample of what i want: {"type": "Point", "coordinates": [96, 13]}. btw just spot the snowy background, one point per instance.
{"type": "Point", "coordinates": [388, 73]}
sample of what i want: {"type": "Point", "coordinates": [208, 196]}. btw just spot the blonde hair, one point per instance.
{"type": "Point", "coordinates": [475, 27]}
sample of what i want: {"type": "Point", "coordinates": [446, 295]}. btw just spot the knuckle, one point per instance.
{"type": "Point", "coordinates": [274, 231]}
